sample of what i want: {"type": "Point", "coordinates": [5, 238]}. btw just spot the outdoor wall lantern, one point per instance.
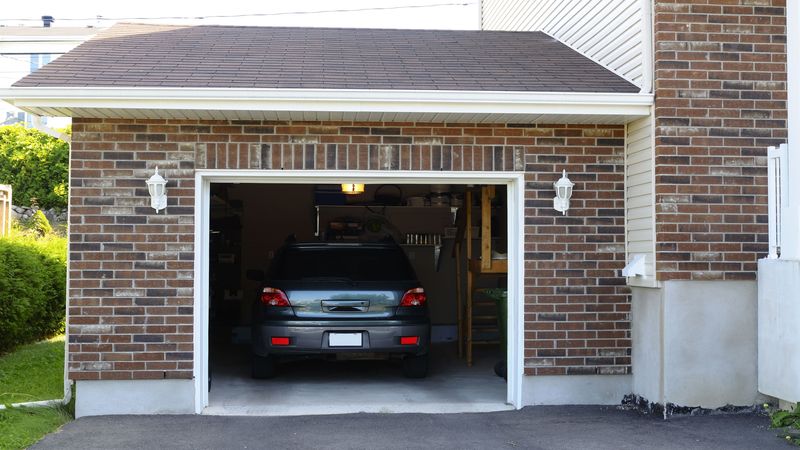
{"type": "Point", "coordinates": [563, 189]}
{"type": "Point", "coordinates": [353, 188]}
{"type": "Point", "coordinates": [157, 186]}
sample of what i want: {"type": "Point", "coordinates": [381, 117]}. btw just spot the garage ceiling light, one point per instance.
{"type": "Point", "coordinates": [353, 188]}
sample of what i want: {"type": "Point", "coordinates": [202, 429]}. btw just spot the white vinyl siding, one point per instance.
{"type": "Point", "coordinates": [607, 31]}
{"type": "Point", "coordinates": [639, 197]}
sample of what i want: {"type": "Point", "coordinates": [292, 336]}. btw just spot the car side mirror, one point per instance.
{"type": "Point", "coordinates": [255, 275]}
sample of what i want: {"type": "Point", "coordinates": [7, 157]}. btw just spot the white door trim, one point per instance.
{"type": "Point", "coordinates": [514, 181]}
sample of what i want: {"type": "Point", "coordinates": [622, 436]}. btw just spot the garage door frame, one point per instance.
{"type": "Point", "coordinates": [514, 182]}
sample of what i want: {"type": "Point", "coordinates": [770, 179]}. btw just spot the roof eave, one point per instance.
{"type": "Point", "coordinates": [494, 103]}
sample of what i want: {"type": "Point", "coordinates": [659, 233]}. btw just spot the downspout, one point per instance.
{"type": "Point", "coordinates": [68, 393]}
{"type": "Point", "coordinates": [45, 403]}
{"type": "Point", "coordinates": [36, 120]}
{"type": "Point", "coordinates": [646, 6]}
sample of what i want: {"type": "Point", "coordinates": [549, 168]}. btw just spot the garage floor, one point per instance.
{"type": "Point", "coordinates": [327, 387]}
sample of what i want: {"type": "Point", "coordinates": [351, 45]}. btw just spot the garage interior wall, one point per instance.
{"type": "Point", "coordinates": [131, 270]}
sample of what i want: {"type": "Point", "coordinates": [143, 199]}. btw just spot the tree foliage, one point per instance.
{"type": "Point", "coordinates": [36, 166]}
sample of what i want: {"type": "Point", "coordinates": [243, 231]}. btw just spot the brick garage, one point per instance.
{"type": "Point", "coordinates": [131, 270]}
{"type": "Point", "coordinates": [515, 108]}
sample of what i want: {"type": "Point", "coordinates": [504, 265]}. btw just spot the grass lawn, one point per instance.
{"type": "Point", "coordinates": [29, 373]}
{"type": "Point", "coordinates": [33, 372]}
{"type": "Point", "coordinates": [21, 427]}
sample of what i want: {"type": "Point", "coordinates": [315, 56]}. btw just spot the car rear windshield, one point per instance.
{"type": "Point", "coordinates": [353, 264]}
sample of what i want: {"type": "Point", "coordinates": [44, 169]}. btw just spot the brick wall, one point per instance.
{"type": "Point", "coordinates": [131, 270]}
{"type": "Point", "coordinates": [720, 86]}
{"type": "Point", "coordinates": [576, 306]}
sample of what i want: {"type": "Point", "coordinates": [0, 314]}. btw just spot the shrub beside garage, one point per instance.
{"type": "Point", "coordinates": [32, 288]}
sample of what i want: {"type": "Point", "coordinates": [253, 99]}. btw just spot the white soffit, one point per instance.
{"type": "Point", "coordinates": [331, 105]}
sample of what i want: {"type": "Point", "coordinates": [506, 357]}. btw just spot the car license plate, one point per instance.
{"type": "Point", "coordinates": [344, 340]}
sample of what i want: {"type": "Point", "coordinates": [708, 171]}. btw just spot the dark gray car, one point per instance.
{"type": "Point", "coordinates": [340, 298]}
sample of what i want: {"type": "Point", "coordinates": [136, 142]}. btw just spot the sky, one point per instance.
{"type": "Point", "coordinates": [431, 14]}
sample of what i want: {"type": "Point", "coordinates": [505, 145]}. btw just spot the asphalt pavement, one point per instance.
{"type": "Point", "coordinates": [557, 427]}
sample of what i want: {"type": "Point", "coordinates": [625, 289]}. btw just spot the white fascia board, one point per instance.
{"type": "Point", "coordinates": [338, 100]}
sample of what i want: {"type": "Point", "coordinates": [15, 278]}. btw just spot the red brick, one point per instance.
{"type": "Point", "coordinates": [719, 119]}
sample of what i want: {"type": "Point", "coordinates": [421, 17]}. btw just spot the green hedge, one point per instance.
{"type": "Point", "coordinates": [32, 289]}
{"type": "Point", "coordinates": [36, 166]}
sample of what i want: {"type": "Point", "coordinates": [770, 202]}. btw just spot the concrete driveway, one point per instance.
{"type": "Point", "coordinates": [574, 427]}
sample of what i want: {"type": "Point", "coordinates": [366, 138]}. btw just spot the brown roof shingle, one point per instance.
{"type": "Point", "coordinates": [136, 55]}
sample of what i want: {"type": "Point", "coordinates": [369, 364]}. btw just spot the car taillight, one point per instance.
{"type": "Point", "coordinates": [414, 297]}
{"type": "Point", "coordinates": [274, 297]}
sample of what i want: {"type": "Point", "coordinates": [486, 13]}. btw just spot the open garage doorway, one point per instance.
{"type": "Point", "coordinates": [248, 225]}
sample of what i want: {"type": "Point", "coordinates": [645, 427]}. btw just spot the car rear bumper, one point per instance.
{"type": "Point", "coordinates": [314, 337]}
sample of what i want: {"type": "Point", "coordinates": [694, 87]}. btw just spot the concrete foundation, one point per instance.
{"type": "Point", "coordinates": [647, 356]}
{"type": "Point", "coordinates": [575, 389]}
{"type": "Point", "coordinates": [105, 397]}
{"type": "Point", "coordinates": [694, 343]}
